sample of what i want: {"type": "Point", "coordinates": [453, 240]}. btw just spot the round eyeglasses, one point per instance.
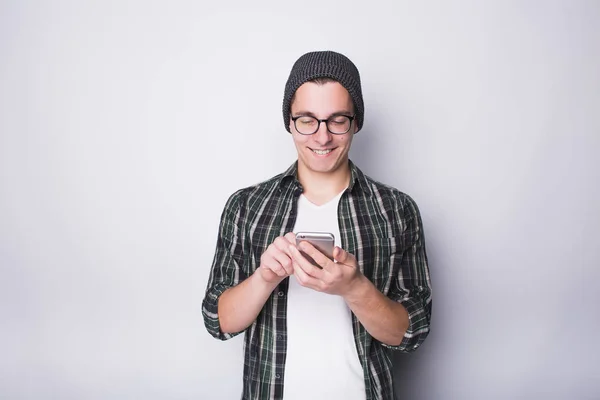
{"type": "Point", "coordinates": [336, 124]}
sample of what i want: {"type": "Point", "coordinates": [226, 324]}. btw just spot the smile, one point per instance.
{"type": "Point", "coordinates": [322, 152]}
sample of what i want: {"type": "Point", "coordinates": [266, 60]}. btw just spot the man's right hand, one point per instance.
{"type": "Point", "coordinates": [276, 261]}
{"type": "Point", "coordinates": [239, 306]}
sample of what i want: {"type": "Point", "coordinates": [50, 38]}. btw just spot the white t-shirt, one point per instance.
{"type": "Point", "coordinates": [322, 361]}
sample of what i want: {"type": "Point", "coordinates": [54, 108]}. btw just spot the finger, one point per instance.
{"type": "Point", "coordinates": [315, 254]}
{"type": "Point", "coordinates": [274, 266]}
{"type": "Point", "coordinates": [342, 256]}
{"type": "Point", "coordinates": [269, 261]}
{"type": "Point", "coordinates": [291, 238]}
{"type": "Point", "coordinates": [284, 261]}
{"type": "Point", "coordinates": [282, 244]}
{"type": "Point", "coordinates": [306, 280]}
{"type": "Point", "coordinates": [307, 267]}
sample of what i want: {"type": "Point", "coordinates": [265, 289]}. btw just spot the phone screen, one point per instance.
{"type": "Point", "coordinates": [322, 241]}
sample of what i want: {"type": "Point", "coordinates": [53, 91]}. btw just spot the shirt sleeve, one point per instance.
{"type": "Point", "coordinates": [411, 286]}
{"type": "Point", "coordinates": [227, 266]}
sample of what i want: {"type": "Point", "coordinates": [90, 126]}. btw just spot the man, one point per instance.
{"type": "Point", "coordinates": [320, 332]}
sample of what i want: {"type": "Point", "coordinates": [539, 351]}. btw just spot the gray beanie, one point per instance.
{"type": "Point", "coordinates": [324, 64]}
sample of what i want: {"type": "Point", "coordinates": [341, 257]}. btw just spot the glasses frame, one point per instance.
{"type": "Point", "coordinates": [350, 117]}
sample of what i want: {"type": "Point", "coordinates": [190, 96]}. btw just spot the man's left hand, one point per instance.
{"type": "Point", "coordinates": [336, 277]}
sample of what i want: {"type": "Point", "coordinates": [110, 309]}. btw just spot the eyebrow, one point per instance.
{"type": "Point", "coordinates": [310, 114]}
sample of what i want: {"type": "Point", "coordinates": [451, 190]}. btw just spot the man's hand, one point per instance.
{"type": "Point", "coordinates": [239, 306]}
{"type": "Point", "coordinates": [276, 261]}
{"type": "Point", "coordinates": [386, 320]}
{"type": "Point", "coordinates": [337, 277]}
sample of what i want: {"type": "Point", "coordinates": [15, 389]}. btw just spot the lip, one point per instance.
{"type": "Point", "coordinates": [329, 148]}
{"type": "Point", "coordinates": [322, 155]}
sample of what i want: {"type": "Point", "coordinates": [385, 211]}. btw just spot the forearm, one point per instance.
{"type": "Point", "coordinates": [384, 319]}
{"type": "Point", "coordinates": [240, 305]}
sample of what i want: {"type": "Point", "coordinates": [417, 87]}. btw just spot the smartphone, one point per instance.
{"type": "Point", "coordinates": [322, 241]}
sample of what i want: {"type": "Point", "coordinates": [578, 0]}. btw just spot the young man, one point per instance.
{"type": "Point", "coordinates": [320, 332]}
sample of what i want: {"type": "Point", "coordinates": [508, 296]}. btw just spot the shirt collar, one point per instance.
{"type": "Point", "coordinates": [358, 180]}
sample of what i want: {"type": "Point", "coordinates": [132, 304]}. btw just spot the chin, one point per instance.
{"type": "Point", "coordinates": [324, 166]}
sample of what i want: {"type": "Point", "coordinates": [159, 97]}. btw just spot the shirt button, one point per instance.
{"type": "Point", "coordinates": [280, 294]}
{"type": "Point", "coordinates": [279, 337]}
{"type": "Point", "coordinates": [277, 376]}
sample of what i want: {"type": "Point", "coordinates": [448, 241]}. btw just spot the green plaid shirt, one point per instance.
{"type": "Point", "coordinates": [380, 225]}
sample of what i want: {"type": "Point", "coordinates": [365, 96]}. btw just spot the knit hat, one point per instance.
{"type": "Point", "coordinates": [324, 64]}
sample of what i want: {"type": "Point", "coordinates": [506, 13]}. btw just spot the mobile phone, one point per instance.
{"type": "Point", "coordinates": [322, 241]}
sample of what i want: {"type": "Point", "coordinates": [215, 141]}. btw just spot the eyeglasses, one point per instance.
{"type": "Point", "coordinates": [336, 124]}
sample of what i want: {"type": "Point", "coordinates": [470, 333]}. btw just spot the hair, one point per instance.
{"type": "Point", "coordinates": [322, 80]}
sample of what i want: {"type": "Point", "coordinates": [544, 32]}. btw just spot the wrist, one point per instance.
{"type": "Point", "coordinates": [358, 289]}
{"type": "Point", "coordinates": [261, 284]}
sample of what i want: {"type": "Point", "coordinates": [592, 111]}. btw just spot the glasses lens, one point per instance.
{"type": "Point", "coordinates": [339, 124]}
{"type": "Point", "coordinates": [307, 125]}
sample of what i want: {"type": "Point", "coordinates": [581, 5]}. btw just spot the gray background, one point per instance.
{"type": "Point", "coordinates": [125, 125]}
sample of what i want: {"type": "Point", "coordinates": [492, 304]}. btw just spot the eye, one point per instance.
{"type": "Point", "coordinates": [339, 120]}
{"type": "Point", "coordinates": [307, 121]}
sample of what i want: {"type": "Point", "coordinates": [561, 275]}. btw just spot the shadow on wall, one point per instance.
{"type": "Point", "coordinates": [380, 148]}
{"type": "Point", "coordinates": [366, 150]}
{"type": "Point", "coordinates": [374, 151]}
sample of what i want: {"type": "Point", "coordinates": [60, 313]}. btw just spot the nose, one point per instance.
{"type": "Point", "coordinates": [322, 136]}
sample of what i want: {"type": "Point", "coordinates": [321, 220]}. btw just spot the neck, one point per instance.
{"type": "Point", "coordinates": [320, 187]}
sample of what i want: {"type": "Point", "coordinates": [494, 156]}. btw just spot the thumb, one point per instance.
{"type": "Point", "coordinates": [291, 237]}
{"type": "Point", "coordinates": [342, 256]}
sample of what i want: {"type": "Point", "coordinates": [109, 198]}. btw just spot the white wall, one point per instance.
{"type": "Point", "coordinates": [123, 129]}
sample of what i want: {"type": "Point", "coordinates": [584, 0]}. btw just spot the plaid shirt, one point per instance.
{"type": "Point", "coordinates": [380, 225]}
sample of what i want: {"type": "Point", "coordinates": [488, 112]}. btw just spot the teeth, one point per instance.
{"type": "Point", "coordinates": [322, 152]}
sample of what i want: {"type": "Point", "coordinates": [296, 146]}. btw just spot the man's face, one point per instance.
{"type": "Point", "coordinates": [322, 151]}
